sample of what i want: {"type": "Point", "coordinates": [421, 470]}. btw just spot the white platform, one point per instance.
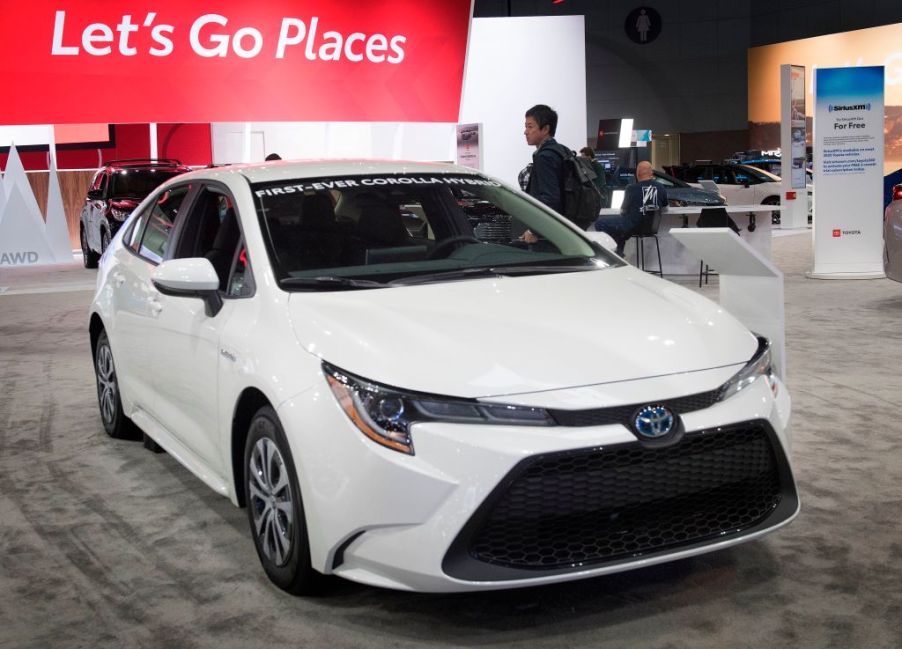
{"type": "Point", "coordinates": [751, 287]}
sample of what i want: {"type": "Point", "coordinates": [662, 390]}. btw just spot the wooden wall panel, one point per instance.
{"type": "Point", "coordinates": [73, 187]}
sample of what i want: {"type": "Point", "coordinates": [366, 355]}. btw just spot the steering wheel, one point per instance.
{"type": "Point", "coordinates": [447, 245]}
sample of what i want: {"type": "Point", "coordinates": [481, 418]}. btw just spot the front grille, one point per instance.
{"type": "Point", "coordinates": [623, 414]}
{"type": "Point", "coordinates": [566, 511]}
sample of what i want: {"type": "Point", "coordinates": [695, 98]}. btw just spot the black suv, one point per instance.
{"type": "Point", "coordinates": [115, 191]}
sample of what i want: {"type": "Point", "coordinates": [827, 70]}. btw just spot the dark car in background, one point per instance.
{"type": "Point", "coordinates": [115, 191]}
{"type": "Point", "coordinates": [679, 193]}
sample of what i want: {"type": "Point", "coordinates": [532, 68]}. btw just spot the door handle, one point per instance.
{"type": "Point", "coordinates": [118, 279]}
{"type": "Point", "coordinates": [155, 307]}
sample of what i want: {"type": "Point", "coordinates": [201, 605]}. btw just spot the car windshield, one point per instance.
{"type": "Point", "coordinates": [761, 174]}
{"type": "Point", "coordinates": [366, 231]}
{"type": "Point", "coordinates": [668, 180]}
{"type": "Point", "coordinates": [624, 176]}
{"type": "Point", "coordinates": [138, 183]}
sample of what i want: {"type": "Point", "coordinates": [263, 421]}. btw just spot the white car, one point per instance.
{"type": "Point", "coordinates": [403, 404]}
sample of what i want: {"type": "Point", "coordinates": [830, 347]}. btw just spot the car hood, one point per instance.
{"type": "Point", "coordinates": [125, 203]}
{"type": "Point", "coordinates": [694, 196]}
{"type": "Point", "coordinates": [513, 335]}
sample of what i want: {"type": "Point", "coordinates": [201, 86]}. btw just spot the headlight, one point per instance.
{"type": "Point", "coordinates": [386, 415]}
{"type": "Point", "coordinates": [760, 365]}
{"type": "Point", "coordinates": [119, 215]}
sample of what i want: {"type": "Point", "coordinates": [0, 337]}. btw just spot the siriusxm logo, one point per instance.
{"type": "Point", "coordinates": [833, 107]}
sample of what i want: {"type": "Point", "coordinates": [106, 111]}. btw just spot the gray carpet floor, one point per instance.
{"type": "Point", "coordinates": [103, 544]}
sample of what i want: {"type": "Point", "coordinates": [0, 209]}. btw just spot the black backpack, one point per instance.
{"type": "Point", "coordinates": [581, 198]}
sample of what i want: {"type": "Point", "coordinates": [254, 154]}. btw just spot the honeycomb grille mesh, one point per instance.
{"type": "Point", "coordinates": [622, 414]}
{"type": "Point", "coordinates": [627, 500]}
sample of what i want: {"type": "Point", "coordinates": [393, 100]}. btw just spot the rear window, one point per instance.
{"type": "Point", "coordinates": [138, 183]}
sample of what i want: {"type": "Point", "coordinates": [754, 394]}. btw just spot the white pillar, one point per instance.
{"type": "Point", "coordinates": [153, 141]}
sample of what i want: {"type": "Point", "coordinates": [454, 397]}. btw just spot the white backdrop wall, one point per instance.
{"type": "Point", "coordinates": [512, 64]}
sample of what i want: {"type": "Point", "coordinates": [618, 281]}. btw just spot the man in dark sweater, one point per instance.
{"type": "Point", "coordinates": [547, 176]}
{"type": "Point", "coordinates": [642, 199]}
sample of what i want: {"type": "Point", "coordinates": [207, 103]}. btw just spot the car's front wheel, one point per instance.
{"type": "Point", "coordinates": [104, 240]}
{"type": "Point", "coordinates": [88, 256]}
{"type": "Point", "coordinates": [274, 507]}
{"type": "Point", "coordinates": [115, 422]}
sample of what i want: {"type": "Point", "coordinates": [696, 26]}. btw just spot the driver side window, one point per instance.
{"type": "Point", "coordinates": [156, 228]}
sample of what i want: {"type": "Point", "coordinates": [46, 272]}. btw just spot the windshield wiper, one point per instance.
{"type": "Point", "coordinates": [538, 269]}
{"type": "Point", "coordinates": [491, 271]}
{"type": "Point", "coordinates": [329, 281]}
{"type": "Point", "coordinates": [460, 273]}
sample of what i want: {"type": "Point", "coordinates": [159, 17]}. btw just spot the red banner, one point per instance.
{"type": "Point", "coordinates": [72, 61]}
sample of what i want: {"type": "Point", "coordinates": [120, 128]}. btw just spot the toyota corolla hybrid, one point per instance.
{"type": "Point", "coordinates": [401, 403]}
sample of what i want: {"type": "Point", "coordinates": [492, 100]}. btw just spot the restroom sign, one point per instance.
{"type": "Point", "coordinates": [643, 25]}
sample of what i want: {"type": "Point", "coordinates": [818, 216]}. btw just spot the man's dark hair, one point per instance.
{"type": "Point", "coordinates": [587, 152]}
{"type": "Point", "coordinates": [273, 156]}
{"type": "Point", "coordinates": [544, 116]}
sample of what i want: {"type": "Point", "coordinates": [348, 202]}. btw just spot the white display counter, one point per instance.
{"type": "Point", "coordinates": [676, 259]}
{"type": "Point", "coordinates": [750, 286]}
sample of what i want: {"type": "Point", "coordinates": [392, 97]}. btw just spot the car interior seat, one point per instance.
{"type": "Point", "coordinates": [222, 251]}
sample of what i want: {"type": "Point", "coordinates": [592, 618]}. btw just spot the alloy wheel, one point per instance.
{"type": "Point", "coordinates": [271, 501]}
{"type": "Point", "coordinates": [107, 387]}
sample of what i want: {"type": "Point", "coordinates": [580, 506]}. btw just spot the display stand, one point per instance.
{"type": "Point", "coordinates": [751, 287]}
{"type": "Point", "coordinates": [755, 221]}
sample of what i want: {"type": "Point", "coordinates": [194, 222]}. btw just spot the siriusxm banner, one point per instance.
{"type": "Point", "coordinates": [848, 173]}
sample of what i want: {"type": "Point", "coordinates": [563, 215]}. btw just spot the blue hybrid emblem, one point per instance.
{"type": "Point", "coordinates": [654, 421]}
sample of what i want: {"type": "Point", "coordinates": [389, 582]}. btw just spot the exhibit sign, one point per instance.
{"type": "Point", "coordinates": [469, 153]}
{"type": "Point", "coordinates": [793, 135]}
{"type": "Point", "coordinates": [797, 125]}
{"type": "Point", "coordinates": [848, 159]}
{"type": "Point", "coordinates": [25, 238]}
{"type": "Point", "coordinates": [170, 61]}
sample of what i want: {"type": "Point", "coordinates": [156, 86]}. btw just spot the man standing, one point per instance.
{"type": "Point", "coordinates": [642, 199]}
{"type": "Point", "coordinates": [547, 175]}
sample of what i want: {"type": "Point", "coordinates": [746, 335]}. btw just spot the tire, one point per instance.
{"type": "Point", "coordinates": [280, 531]}
{"type": "Point", "coordinates": [115, 423]}
{"type": "Point", "coordinates": [104, 240]}
{"type": "Point", "coordinates": [88, 256]}
{"type": "Point", "coordinates": [774, 216]}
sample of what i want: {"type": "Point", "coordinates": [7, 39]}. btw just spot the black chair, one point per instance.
{"type": "Point", "coordinates": [649, 228]}
{"type": "Point", "coordinates": [713, 217]}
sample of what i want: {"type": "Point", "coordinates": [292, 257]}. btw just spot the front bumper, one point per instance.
{"type": "Point", "coordinates": [422, 522]}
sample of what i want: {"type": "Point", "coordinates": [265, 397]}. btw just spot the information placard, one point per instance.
{"type": "Point", "coordinates": [848, 158]}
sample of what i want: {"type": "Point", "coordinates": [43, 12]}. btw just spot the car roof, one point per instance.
{"type": "Point", "coordinates": [277, 170]}
{"type": "Point", "coordinates": [145, 163]}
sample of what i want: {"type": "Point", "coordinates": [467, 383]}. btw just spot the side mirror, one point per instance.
{"type": "Point", "coordinates": [194, 277]}
{"type": "Point", "coordinates": [603, 239]}
{"type": "Point", "coordinates": [95, 194]}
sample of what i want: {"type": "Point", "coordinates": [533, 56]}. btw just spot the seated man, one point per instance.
{"type": "Point", "coordinates": [641, 200]}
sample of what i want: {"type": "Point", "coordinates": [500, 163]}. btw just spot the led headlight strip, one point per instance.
{"type": "Point", "coordinates": [760, 365]}
{"type": "Point", "coordinates": [386, 414]}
